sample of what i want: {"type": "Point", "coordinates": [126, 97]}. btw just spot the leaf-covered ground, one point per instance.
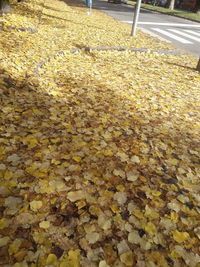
{"type": "Point", "coordinates": [99, 150]}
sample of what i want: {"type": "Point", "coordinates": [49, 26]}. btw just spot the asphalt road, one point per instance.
{"type": "Point", "coordinates": [182, 33]}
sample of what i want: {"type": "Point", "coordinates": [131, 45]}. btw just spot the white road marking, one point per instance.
{"type": "Point", "coordinates": [170, 24]}
{"type": "Point", "coordinates": [128, 21]}
{"type": "Point", "coordinates": [192, 32]}
{"type": "Point", "coordinates": [185, 35]}
{"type": "Point", "coordinates": [173, 36]}
{"type": "Point", "coordinates": [154, 35]}
{"type": "Point", "coordinates": [164, 24]}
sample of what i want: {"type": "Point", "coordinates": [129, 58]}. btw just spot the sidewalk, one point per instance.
{"type": "Point", "coordinates": [99, 144]}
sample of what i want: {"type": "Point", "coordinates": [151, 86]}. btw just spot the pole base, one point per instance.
{"type": "Point", "coordinates": [198, 65]}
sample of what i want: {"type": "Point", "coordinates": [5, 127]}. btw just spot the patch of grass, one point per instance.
{"type": "Point", "coordinates": [179, 13]}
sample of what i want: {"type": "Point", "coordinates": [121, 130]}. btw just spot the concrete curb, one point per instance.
{"type": "Point", "coordinates": [19, 29]}
{"type": "Point", "coordinates": [106, 48]}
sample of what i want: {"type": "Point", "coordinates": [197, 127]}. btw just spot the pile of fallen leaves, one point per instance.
{"type": "Point", "coordinates": [99, 150]}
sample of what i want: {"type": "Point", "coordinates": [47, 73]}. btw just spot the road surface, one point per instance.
{"type": "Point", "coordinates": [182, 33]}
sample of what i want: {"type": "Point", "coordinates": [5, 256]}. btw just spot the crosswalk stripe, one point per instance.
{"type": "Point", "coordinates": [164, 24]}
{"type": "Point", "coordinates": [173, 36]}
{"type": "Point", "coordinates": [167, 24]}
{"type": "Point", "coordinates": [185, 35]}
{"type": "Point", "coordinates": [192, 32]}
{"type": "Point", "coordinates": [153, 34]}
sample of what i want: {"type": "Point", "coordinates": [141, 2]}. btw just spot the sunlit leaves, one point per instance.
{"type": "Point", "coordinates": [99, 149]}
{"type": "Point", "coordinates": [35, 205]}
{"type": "Point", "coordinates": [3, 223]}
{"type": "Point", "coordinates": [44, 224]}
{"type": "Point", "coordinates": [180, 236]}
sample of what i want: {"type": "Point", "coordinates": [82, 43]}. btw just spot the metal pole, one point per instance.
{"type": "Point", "coordinates": [135, 18]}
{"type": "Point", "coordinates": [89, 5]}
{"type": "Point", "coordinates": [198, 65]}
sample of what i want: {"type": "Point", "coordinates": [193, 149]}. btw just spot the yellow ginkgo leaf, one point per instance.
{"type": "Point", "coordinates": [138, 214]}
{"type": "Point", "coordinates": [51, 260]}
{"type": "Point", "coordinates": [3, 223]}
{"type": "Point", "coordinates": [155, 193]}
{"type": "Point", "coordinates": [180, 236]}
{"type": "Point", "coordinates": [35, 205]}
{"type": "Point", "coordinates": [150, 228]}
{"type": "Point", "coordinates": [44, 224]}
{"type": "Point", "coordinates": [174, 216]}
{"type": "Point", "coordinates": [77, 158]}
{"type": "Point", "coordinates": [8, 175]}
{"type": "Point", "coordinates": [127, 258]}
